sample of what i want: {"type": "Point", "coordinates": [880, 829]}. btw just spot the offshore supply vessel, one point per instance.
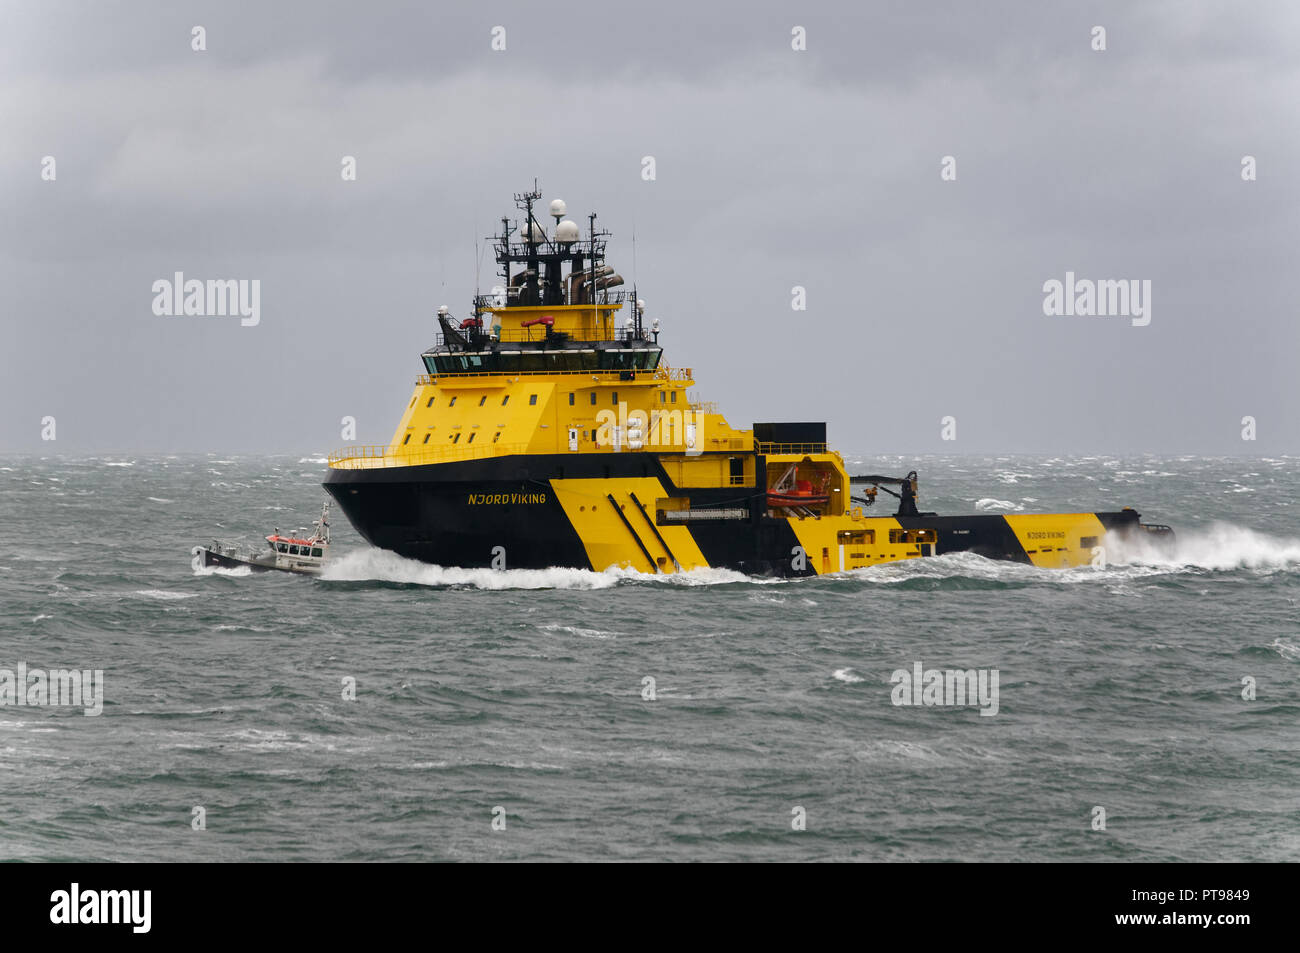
{"type": "Point", "coordinates": [547, 430]}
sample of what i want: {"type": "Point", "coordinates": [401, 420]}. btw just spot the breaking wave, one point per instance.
{"type": "Point", "coordinates": [1222, 546]}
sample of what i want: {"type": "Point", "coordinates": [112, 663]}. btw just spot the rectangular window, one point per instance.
{"type": "Point", "coordinates": [532, 399]}
{"type": "Point", "coordinates": [406, 440]}
{"type": "Point", "coordinates": [430, 403]}
{"type": "Point", "coordinates": [571, 396]}
{"type": "Point", "coordinates": [412, 403]}
{"type": "Point", "coordinates": [482, 400]}
{"type": "Point", "coordinates": [455, 438]}
{"type": "Point", "coordinates": [504, 400]}
{"type": "Point", "coordinates": [453, 402]}
{"type": "Point", "coordinates": [316, 553]}
{"type": "Point", "coordinates": [663, 397]}
{"type": "Point", "coordinates": [471, 438]}
{"type": "Point", "coordinates": [593, 398]}
{"type": "Point", "coordinates": [913, 536]}
{"type": "Point", "coordinates": [427, 436]}
{"type": "Point", "coordinates": [673, 398]}
{"type": "Point", "coordinates": [614, 397]}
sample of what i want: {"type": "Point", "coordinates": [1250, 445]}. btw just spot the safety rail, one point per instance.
{"type": "Point", "coordinates": [497, 302]}
{"type": "Point", "coordinates": [563, 340]}
{"type": "Point", "coordinates": [665, 373]}
{"type": "Point", "coordinates": [782, 448]}
{"type": "Point", "coordinates": [376, 456]}
{"type": "Point", "coordinates": [642, 376]}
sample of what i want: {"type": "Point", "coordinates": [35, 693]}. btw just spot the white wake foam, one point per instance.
{"type": "Point", "coordinates": [1220, 547]}
{"type": "Point", "coordinates": [380, 565]}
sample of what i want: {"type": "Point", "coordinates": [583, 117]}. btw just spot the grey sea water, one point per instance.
{"type": "Point", "coordinates": [1119, 688]}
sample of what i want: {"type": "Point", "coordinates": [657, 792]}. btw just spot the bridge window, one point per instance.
{"type": "Point", "coordinates": [482, 400]}
{"type": "Point", "coordinates": [593, 398]}
{"type": "Point", "coordinates": [532, 399]}
{"type": "Point", "coordinates": [505, 400]}
{"type": "Point", "coordinates": [471, 438]}
{"type": "Point", "coordinates": [427, 436]}
{"type": "Point", "coordinates": [571, 396]}
{"type": "Point", "coordinates": [429, 404]}
{"type": "Point", "coordinates": [453, 402]}
{"type": "Point", "coordinates": [406, 440]}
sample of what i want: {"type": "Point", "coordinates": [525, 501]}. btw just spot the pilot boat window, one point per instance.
{"type": "Point", "coordinates": [317, 553]}
{"type": "Point", "coordinates": [673, 398]}
{"type": "Point", "coordinates": [293, 550]}
{"type": "Point", "coordinates": [427, 436]}
{"type": "Point", "coordinates": [571, 396]}
{"type": "Point", "coordinates": [453, 402]}
{"type": "Point", "coordinates": [532, 399]}
{"type": "Point", "coordinates": [593, 397]}
{"type": "Point", "coordinates": [471, 438]}
{"type": "Point", "coordinates": [430, 403]}
{"type": "Point", "coordinates": [505, 400]}
{"type": "Point", "coordinates": [482, 400]}
{"type": "Point", "coordinates": [407, 440]}
{"type": "Point", "coordinates": [614, 398]}
{"type": "Point", "coordinates": [455, 438]}
{"type": "Point", "coordinates": [283, 547]}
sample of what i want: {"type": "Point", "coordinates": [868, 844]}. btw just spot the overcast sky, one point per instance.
{"type": "Point", "coordinates": [774, 168]}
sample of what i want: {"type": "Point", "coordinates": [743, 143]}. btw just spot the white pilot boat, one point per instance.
{"type": "Point", "coordinates": [305, 554]}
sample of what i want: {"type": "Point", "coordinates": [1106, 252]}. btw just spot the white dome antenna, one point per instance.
{"type": "Point", "coordinates": [566, 231]}
{"type": "Point", "coordinates": [558, 209]}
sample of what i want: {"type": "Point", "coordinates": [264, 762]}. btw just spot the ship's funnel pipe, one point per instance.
{"type": "Point", "coordinates": [613, 281]}
{"type": "Point", "coordinates": [579, 278]}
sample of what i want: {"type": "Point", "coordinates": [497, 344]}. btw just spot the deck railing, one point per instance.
{"type": "Point", "coordinates": [375, 456]}
{"type": "Point", "coordinates": [780, 448]}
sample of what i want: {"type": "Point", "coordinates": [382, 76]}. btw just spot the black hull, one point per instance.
{"type": "Point", "coordinates": [430, 513]}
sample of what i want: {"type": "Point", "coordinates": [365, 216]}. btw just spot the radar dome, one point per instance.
{"type": "Point", "coordinates": [566, 231]}
{"type": "Point", "coordinates": [536, 232]}
{"type": "Point", "coordinates": [558, 208]}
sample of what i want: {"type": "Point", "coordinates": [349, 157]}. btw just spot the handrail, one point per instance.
{"type": "Point", "coordinates": [644, 377]}
{"type": "Point", "coordinates": [375, 456]}
{"type": "Point", "coordinates": [780, 448]}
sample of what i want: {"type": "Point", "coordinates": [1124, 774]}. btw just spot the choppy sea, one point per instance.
{"type": "Point", "coordinates": [615, 716]}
